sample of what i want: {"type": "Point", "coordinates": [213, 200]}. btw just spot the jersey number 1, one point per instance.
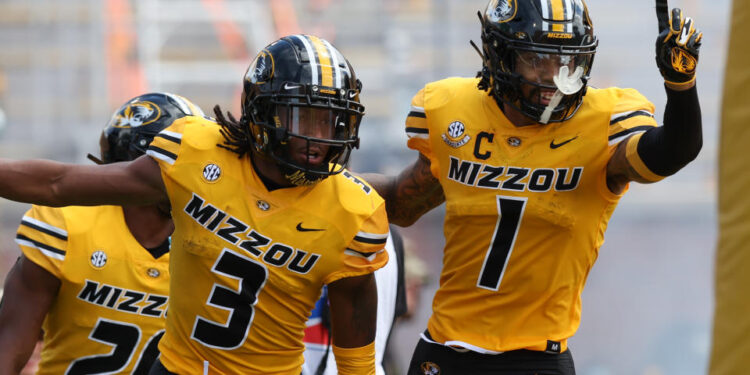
{"type": "Point", "coordinates": [510, 211]}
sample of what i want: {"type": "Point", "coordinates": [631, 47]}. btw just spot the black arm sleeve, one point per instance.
{"type": "Point", "coordinates": [668, 148]}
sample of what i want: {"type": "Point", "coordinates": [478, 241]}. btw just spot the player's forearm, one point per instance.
{"type": "Point", "coordinates": [12, 360]}
{"type": "Point", "coordinates": [667, 149]}
{"type": "Point", "coordinates": [411, 194]}
{"type": "Point", "coordinates": [49, 183]}
{"type": "Point", "coordinates": [27, 297]}
{"type": "Point", "coordinates": [354, 305]}
{"type": "Point", "coordinates": [30, 181]}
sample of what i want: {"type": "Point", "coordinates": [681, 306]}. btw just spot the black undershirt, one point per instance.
{"type": "Point", "coordinates": [160, 250]}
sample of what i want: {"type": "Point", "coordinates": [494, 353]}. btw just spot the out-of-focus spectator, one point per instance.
{"type": "Point", "coordinates": [416, 276]}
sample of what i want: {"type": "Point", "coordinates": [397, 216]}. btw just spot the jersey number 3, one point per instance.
{"type": "Point", "coordinates": [510, 211]}
{"type": "Point", "coordinates": [252, 277]}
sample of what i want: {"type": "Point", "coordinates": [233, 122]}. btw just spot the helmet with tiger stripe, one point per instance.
{"type": "Point", "coordinates": [301, 101]}
{"type": "Point", "coordinates": [134, 125]}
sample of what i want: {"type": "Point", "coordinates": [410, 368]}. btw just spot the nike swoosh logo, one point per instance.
{"type": "Point", "coordinates": [302, 229]}
{"type": "Point", "coordinates": [291, 87]}
{"type": "Point", "coordinates": [553, 146]}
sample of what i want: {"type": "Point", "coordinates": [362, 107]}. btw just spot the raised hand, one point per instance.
{"type": "Point", "coordinates": [677, 46]}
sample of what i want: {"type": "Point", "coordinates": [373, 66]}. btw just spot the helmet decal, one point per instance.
{"type": "Point", "coordinates": [135, 124]}
{"type": "Point", "coordinates": [261, 70]}
{"type": "Point", "coordinates": [136, 114]}
{"type": "Point", "coordinates": [501, 10]}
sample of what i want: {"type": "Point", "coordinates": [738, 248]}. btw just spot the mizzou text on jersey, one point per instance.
{"type": "Point", "coordinates": [109, 313]}
{"type": "Point", "coordinates": [248, 264]}
{"type": "Point", "coordinates": [526, 211]}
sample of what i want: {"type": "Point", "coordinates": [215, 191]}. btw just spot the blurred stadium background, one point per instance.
{"type": "Point", "coordinates": [66, 65]}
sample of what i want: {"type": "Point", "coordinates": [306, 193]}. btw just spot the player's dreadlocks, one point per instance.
{"type": "Point", "coordinates": [484, 82]}
{"type": "Point", "coordinates": [236, 134]}
{"type": "Point", "coordinates": [484, 74]}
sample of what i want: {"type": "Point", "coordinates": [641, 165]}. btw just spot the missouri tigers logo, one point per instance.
{"type": "Point", "coordinates": [682, 61]}
{"type": "Point", "coordinates": [262, 68]}
{"type": "Point", "coordinates": [501, 10]}
{"type": "Point", "coordinates": [429, 368]}
{"type": "Point", "coordinates": [137, 114]}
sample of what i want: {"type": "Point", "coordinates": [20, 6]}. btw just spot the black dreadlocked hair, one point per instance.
{"type": "Point", "coordinates": [484, 74]}
{"type": "Point", "coordinates": [236, 134]}
{"type": "Point", "coordinates": [484, 82]}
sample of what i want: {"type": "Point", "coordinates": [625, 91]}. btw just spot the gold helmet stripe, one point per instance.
{"type": "Point", "coordinates": [558, 14]}
{"type": "Point", "coordinates": [323, 55]}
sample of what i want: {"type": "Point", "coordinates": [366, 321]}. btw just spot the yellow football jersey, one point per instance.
{"type": "Point", "coordinates": [248, 264]}
{"type": "Point", "coordinates": [110, 310]}
{"type": "Point", "coordinates": [526, 211]}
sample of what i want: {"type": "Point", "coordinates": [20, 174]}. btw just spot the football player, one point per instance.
{"type": "Point", "coordinates": [531, 164]}
{"type": "Point", "coordinates": [95, 279]}
{"type": "Point", "coordinates": [265, 214]}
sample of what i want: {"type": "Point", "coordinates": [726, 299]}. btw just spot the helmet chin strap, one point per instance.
{"type": "Point", "coordinates": [566, 85]}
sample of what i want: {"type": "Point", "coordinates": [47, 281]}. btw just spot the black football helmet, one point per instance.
{"type": "Point", "coordinates": [544, 36]}
{"type": "Point", "coordinates": [293, 82]}
{"type": "Point", "coordinates": [132, 127]}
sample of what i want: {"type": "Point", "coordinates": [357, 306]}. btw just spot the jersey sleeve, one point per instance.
{"type": "Point", "coordinates": [365, 253]}
{"type": "Point", "coordinates": [43, 238]}
{"type": "Point", "coordinates": [165, 147]}
{"type": "Point", "coordinates": [417, 130]}
{"type": "Point", "coordinates": [632, 114]}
